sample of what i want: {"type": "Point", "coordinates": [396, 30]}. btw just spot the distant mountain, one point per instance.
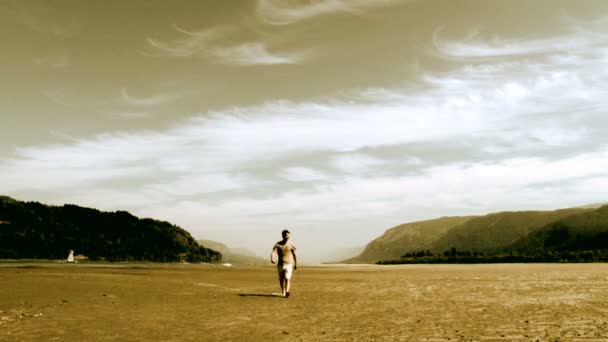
{"type": "Point", "coordinates": [37, 231]}
{"type": "Point", "coordinates": [407, 237]}
{"type": "Point", "coordinates": [235, 256]}
{"type": "Point", "coordinates": [491, 233]}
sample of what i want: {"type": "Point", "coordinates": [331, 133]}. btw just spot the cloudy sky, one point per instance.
{"type": "Point", "coordinates": [336, 118]}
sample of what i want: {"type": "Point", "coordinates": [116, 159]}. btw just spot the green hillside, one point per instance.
{"type": "Point", "coordinates": [523, 236]}
{"type": "Point", "coordinates": [409, 237]}
{"type": "Point", "coordinates": [497, 230]}
{"type": "Point", "coordinates": [31, 230]}
{"type": "Point", "coordinates": [581, 232]}
{"type": "Point", "coordinates": [581, 236]}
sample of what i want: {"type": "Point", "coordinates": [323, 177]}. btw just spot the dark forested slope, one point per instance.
{"type": "Point", "coordinates": [35, 230]}
{"type": "Point", "coordinates": [580, 232]}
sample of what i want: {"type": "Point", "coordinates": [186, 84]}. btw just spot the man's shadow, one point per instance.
{"type": "Point", "coordinates": [260, 295]}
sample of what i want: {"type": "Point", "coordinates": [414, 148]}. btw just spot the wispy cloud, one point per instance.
{"type": "Point", "coordinates": [277, 12]}
{"type": "Point", "coordinates": [121, 104]}
{"type": "Point", "coordinates": [191, 43]}
{"type": "Point", "coordinates": [208, 44]}
{"type": "Point", "coordinates": [252, 54]}
{"type": "Point", "coordinates": [475, 45]}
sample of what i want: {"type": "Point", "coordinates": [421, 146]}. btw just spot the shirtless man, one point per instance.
{"type": "Point", "coordinates": [284, 254]}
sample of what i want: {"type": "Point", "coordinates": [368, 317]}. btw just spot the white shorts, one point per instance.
{"type": "Point", "coordinates": [286, 270]}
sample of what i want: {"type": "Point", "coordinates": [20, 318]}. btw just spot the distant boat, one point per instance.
{"type": "Point", "coordinates": [71, 256]}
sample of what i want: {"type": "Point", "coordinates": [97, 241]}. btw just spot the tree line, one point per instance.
{"type": "Point", "coordinates": [454, 256]}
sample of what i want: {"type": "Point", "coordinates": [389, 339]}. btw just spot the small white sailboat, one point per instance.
{"type": "Point", "coordinates": [71, 256]}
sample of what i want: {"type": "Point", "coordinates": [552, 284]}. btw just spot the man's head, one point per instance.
{"type": "Point", "coordinates": [285, 234]}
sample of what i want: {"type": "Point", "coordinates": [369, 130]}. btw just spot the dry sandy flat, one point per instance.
{"type": "Point", "coordinates": [545, 302]}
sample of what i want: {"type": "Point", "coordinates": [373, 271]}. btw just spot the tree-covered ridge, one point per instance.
{"type": "Point", "coordinates": [578, 237]}
{"type": "Point", "coordinates": [584, 231]}
{"type": "Point", "coordinates": [491, 232]}
{"type": "Point", "coordinates": [34, 230]}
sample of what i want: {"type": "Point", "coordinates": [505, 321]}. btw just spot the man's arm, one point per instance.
{"type": "Point", "coordinates": [295, 259]}
{"type": "Point", "coordinates": [273, 253]}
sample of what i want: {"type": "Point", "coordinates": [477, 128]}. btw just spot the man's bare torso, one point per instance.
{"type": "Point", "coordinates": [284, 250]}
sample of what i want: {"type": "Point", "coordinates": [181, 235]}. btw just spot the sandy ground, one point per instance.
{"type": "Point", "coordinates": [511, 302]}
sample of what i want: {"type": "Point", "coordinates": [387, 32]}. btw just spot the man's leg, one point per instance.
{"type": "Point", "coordinates": [288, 273]}
{"type": "Point", "coordinates": [282, 282]}
{"type": "Point", "coordinates": [287, 286]}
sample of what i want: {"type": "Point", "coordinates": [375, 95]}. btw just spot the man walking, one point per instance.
{"type": "Point", "coordinates": [284, 254]}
